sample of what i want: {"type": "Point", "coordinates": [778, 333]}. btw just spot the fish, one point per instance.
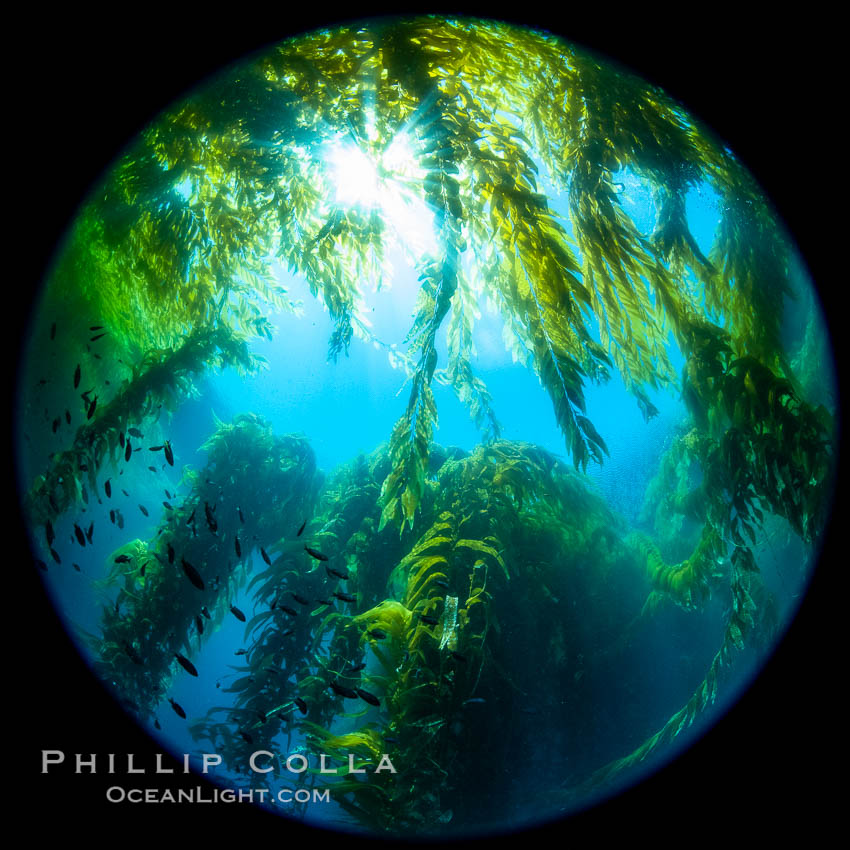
{"type": "Point", "coordinates": [199, 624]}
{"type": "Point", "coordinates": [187, 665]}
{"type": "Point", "coordinates": [303, 526]}
{"type": "Point", "coordinates": [68, 416]}
{"type": "Point", "coordinates": [377, 634]}
{"type": "Point", "coordinates": [247, 737]}
{"type": "Point", "coordinates": [135, 432]}
{"type": "Point", "coordinates": [121, 439]}
{"type": "Point", "coordinates": [144, 510]}
{"type": "Point", "coordinates": [206, 613]}
{"type": "Point", "coordinates": [191, 517]}
{"type": "Point", "coordinates": [286, 609]}
{"type": "Point", "coordinates": [168, 505]}
{"type": "Point", "coordinates": [192, 574]}
{"type": "Point", "coordinates": [367, 697]}
{"type": "Point", "coordinates": [431, 621]}
{"type": "Point", "coordinates": [132, 654]}
{"type": "Point", "coordinates": [128, 451]}
{"type": "Point", "coordinates": [98, 336]}
{"type": "Point", "coordinates": [40, 564]}
{"type": "Point", "coordinates": [107, 488]}
{"type": "Point", "coordinates": [343, 691]}
{"type": "Point", "coordinates": [96, 328]}
{"type": "Point", "coordinates": [155, 448]}
{"type": "Point", "coordinates": [265, 555]}
{"type": "Point", "coordinates": [302, 706]}
{"type": "Point", "coordinates": [241, 652]}
{"type": "Point", "coordinates": [144, 567]}
{"type": "Point", "coordinates": [76, 567]}
{"type": "Point", "coordinates": [210, 518]}
{"type": "Point", "coordinates": [167, 494]}
{"type": "Point", "coordinates": [315, 554]}
{"type": "Point", "coordinates": [91, 409]}
{"type": "Point", "coordinates": [300, 599]}
{"type": "Point", "coordinates": [178, 708]}
{"type": "Point", "coordinates": [356, 668]}
{"type": "Point", "coordinates": [56, 423]}
{"type": "Point", "coordinates": [122, 559]}
{"type": "Point", "coordinates": [458, 656]}
{"type": "Point", "coordinates": [237, 547]}
{"type": "Point", "coordinates": [169, 455]}
{"type": "Point", "coordinates": [119, 518]}
{"type": "Point", "coordinates": [125, 492]}
{"type": "Point", "coordinates": [53, 331]}
{"type": "Point", "coordinates": [156, 724]}
{"type": "Point", "coordinates": [440, 583]}
{"type": "Point", "coordinates": [112, 517]}
{"type": "Point", "coordinates": [241, 517]}
{"type": "Point", "coordinates": [345, 597]}
{"type": "Point", "coordinates": [343, 574]}
{"type": "Point", "coordinates": [475, 701]}
{"type": "Point", "coordinates": [170, 550]}
{"type": "Point", "coordinates": [77, 374]}
{"type": "Point", "coordinates": [49, 533]}
{"type": "Point", "coordinates": [81, 537]}
{"type": "Point", "coordinates": [55, 555]}
{"type": "Point", "coordinates": [237, 613]}
{"type": "Point", "coordinates": [152, 468]}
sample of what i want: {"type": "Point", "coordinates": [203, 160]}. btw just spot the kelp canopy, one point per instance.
{"type": "Point", "coordinates": [439, 556]}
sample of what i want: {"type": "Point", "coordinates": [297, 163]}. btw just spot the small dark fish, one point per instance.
{"type": "Point", "coordinates": [170, 550]}
{"type": "Point", "coordinates": [121, 439]}
{"type": "Point", "coordinates": [152, 468]}
{"type": "Point", "coordinates": [287, 633]}
{"type": "Point", "coordinates": [241, 652]}
{"type": "Point", "coordinates": [237, 547]}
{"type": "Point", "coordinates": [168, 506]}
{"type": "Point", "coordinates": [192, 574]}
{"type": "Point", "coordinates": [237, 613]}
{"type": "Point", "coordinates": [377, 634]}
{"type": "Point", "coordinates": [55, 555]}
{"type": "Point", "coordinates": [167, 494]}
{"type": "Point", "coordinates": [96, 338]}
{"type": "Point", "coordinates": [119, 518]}
{"type": "Point", "coordinates": [177, 707]}
{"type": "Point", "coordinates": [356, 668]}
{"type": "Point", "coordinates": [107, 488]}
{"type": "Point", "coordinates": [241, 517]}
{"type": "Point", "coordinates": [338, 573]}
{"type": "Point", "coordinates": [76, 567]}
{"type": "Point", "coordinates": [247, 737]}
{"type": "Point", "coordinates": [186, 664]}
{"type": "Point", "coordinates": [56, 423]}
{"type": "Point", "coordinates": [144, 567]}
{"type": "Point", "coordinates": [169, 455]}
{"type": "Point", "coordinates": [85, 493]}
{"type": "Point", "coordinates": [128, 451]}
{"type": "Point", "coordinates": [81, 537]}
{"type": "Point", "coordinates": [300, 599]}
{"type": "Point", "coordinates": [265, 555]}
{"type": "Point", "coordinates": [342, 691]}
{"type": "Point", "coordinates": [440, 583]}
{"type": "Point", "coordinates": [112, 517]}
{"type": "Point", "coordinates": [302, 706]}
{"type": "Point", "coordinates": [132, 654]}
{"type": "Point", "coordinates": [191, 517]}
{"type": "Point", "coordinates": [199, 624]}
{"type": "Point", "coordinates": [91, 409]}
{"type": "Point", "coordinates": [475, 701]}
{"type": "Point", "coordinates": [206, 613]}
{"type": "Point", "coordinates": [90, 532]}
{"type": "Point", "coordinates": [49, 533]}
{"type": "Point", "coordinates": [303, 526]}
{"type": "Point", "coordinates": [156, 448]}
{"type": "Point", "coordinates": [156, 724]}
{"type": "Point", "coordinates": [77, 374]}
{"type": "Point", "coordinates": [367, 697]}
{"type": "Point", "coordinates": [345, 597]}
{"type": "Point", "coordinates": [135, 432]}
{"type": "Point", "coordinates": [431, 621]}
{"type": "Point", "coordinates": [122, 559]}
{"type": "Point", "coordinates": [68, 416]}
{"type": "Point", "coordinates": [53, 331]}
{"type": "Point", "coordinates": [458, 656]}
{"type": "Point", "coordinates": [210, 518]}
{"type": "Point", "coordinates": [317, 555]}
{"type": "Point", "coordinates": [144, 510]}
{"type": "Point", "coordinates": [390, 740]}
{"type": "Point", "coordinates": [286, 609]}
{"type": "Point", "coordinates": [96, 328]}
{"type": "Point", "coordinates": [40, 564]}
{"type": "Point", "coordinates": [324, 602]}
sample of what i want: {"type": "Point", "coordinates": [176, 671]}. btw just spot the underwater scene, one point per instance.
{"type": "Point", "coordinates": [428, 427]}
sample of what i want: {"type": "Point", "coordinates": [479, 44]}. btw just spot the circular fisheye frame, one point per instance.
{"type": "Point", "coordinates": [414, 432]}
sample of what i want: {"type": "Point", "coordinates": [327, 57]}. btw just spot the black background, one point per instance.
{"type": "Point", "coordinates": [82, 85]}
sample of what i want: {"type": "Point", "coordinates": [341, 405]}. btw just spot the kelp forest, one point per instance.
{"type": "Point", "coordinates": [448, 607]}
